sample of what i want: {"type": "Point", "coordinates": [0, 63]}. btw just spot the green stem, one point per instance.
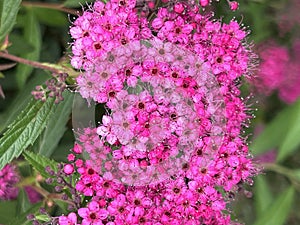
{"type": "Point", "coordinates": [157, 4]}
{"type": "Point", "coordinates": [155, 11]}
{"type": "Point", "coordinates": [28, 181]}
{"type": "Point", "coordinates": [55, 6]}
{"type": "Point", "coordinates": [288, 173]}
{"type": "Point", "coordinates": [277, 168]}
{"type": "Point", "coordinates": [29, 62]}
{"type": "Point", "coordinates": [31, 181]}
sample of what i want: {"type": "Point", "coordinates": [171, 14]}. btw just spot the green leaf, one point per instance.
{"type": "Point", "coordinates": [40, 162]}
{"type": "Point", "coordinates": [56, 128]}
{"type": "Point", "coordinates": [262, 195]}
{"type": "Point", "coordinates": [292, 139]}
{"type": "Point", "coordinates": [19, 45]}
{"type": "Point", "coordinates": [62, 205]}
{"type": "Point", "coordinates": [77, 3]}
{"type": "Point", "coordinates": [7, 211]}
{"type": "Point", "coordinates": [277, 213]}
{"type": "Point", "coordinates": [9, 13]}
{"type": "Point", "coordinates": [63, 149]}
{"type": "Point", "coordinates": [21, 100]}
{"type": "Point", "coordinates": [22, 219]}
{"type": "Point", "coordinates": [32, 35]}
{"type": "Point", "coordinates": [24, 130]}
{"type": "Point", "coordinates": [23, 203]}
{"type": "Point", "coordinates": [44, 218]}
{"type": "Point", "coordinates": [275, 132]}
{"type": "Point", "coordinates": [50, 17]}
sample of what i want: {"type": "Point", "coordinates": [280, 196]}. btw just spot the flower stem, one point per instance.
{"type": "Point", "coordinates": [29, 62]}
{"type": "Point", "coordinates": [288, 173]}
{"type": "Point", "coordinates": [55, 6]}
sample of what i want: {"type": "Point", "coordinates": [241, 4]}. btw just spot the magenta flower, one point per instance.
{"type": "Point", "coordinates": [93, 214]}
{"type": "Point", "coordinates": [71, 219]}
{"type": "Point", "coordinates": [171, 133]}
{"type": "Point", "coordinates": [32, 194]}
{"type": "Point", "coordinates": [8, 180]}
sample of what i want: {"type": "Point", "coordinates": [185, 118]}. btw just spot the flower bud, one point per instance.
{"type": "Point", "coordinates": [234, 5]}
{"type": "Point", "coordinates": [68, 169]}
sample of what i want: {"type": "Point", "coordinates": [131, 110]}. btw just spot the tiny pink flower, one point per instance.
{"type": "Point", "coordinates": [234, 5]}
{"type": "Point", "coordinates": [68, 169]}
{"type": "Point", "coordinates": [71, 219]}
{"type": "Point", "coordinates": [8, 181]}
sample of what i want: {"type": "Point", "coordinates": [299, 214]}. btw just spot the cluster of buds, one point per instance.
{"type": "Point", "coordinates": [62, 180]}
{"type": "Point", "coordinates": [53, 88]}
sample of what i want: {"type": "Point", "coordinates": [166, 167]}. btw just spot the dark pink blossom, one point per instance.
{"type": "Point", "coordinates": [71, 219]}
{"type": "Point", "coordinates": [8, 180]}
{"type": "Point", "coordinates": [171, 133]}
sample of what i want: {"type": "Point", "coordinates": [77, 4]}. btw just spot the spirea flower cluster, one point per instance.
{"type": "Point", "coordinates": [169, 149]}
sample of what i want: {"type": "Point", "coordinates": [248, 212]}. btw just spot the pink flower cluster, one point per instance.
{"type": "Point", "coordinates": [279, 70]}
{"type": "Point", "coordinates": [187, 197]}
{"type": "Point", "coordinates": [168, 150]}
{"type": "Point", "coordinates": [204, 3]}
{"type": "Point", "coordinates": [8, 180]}
{"type": "Point", "coordinates": [219, 44]}
{"type": "Point", "coordinates": [104, 28]}
{"type": "Point", "coordinates": [232, 4]}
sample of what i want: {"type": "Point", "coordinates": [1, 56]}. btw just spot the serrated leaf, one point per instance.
{"type": "Point", "coordinates": [21, 100]}
{"type": "Point", "coordinates": [277, 213]}
{"type": "Point", "coordinates": [40, 162]}
{"type": "Point", "coordinates": [22, 219]}
{"type": "Point", "coordinates": [32, 35]}
{"type": "Point", "coordinates": [23, 203]}
{"type": "Point", "coordinates": [274, 133]}
{"type": "Point", "coordinates": [292, 139]}
{"type": "Point", "coordinates": [48, 141]}
{"type": "Point", "coordinates": [262, 195]}
{"type": "Point", "coordinates": [24, 130]}
{"type": "Point", "coordinates": [9, 13]}
{"type": "Point", "coordinates": [76, 3]}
